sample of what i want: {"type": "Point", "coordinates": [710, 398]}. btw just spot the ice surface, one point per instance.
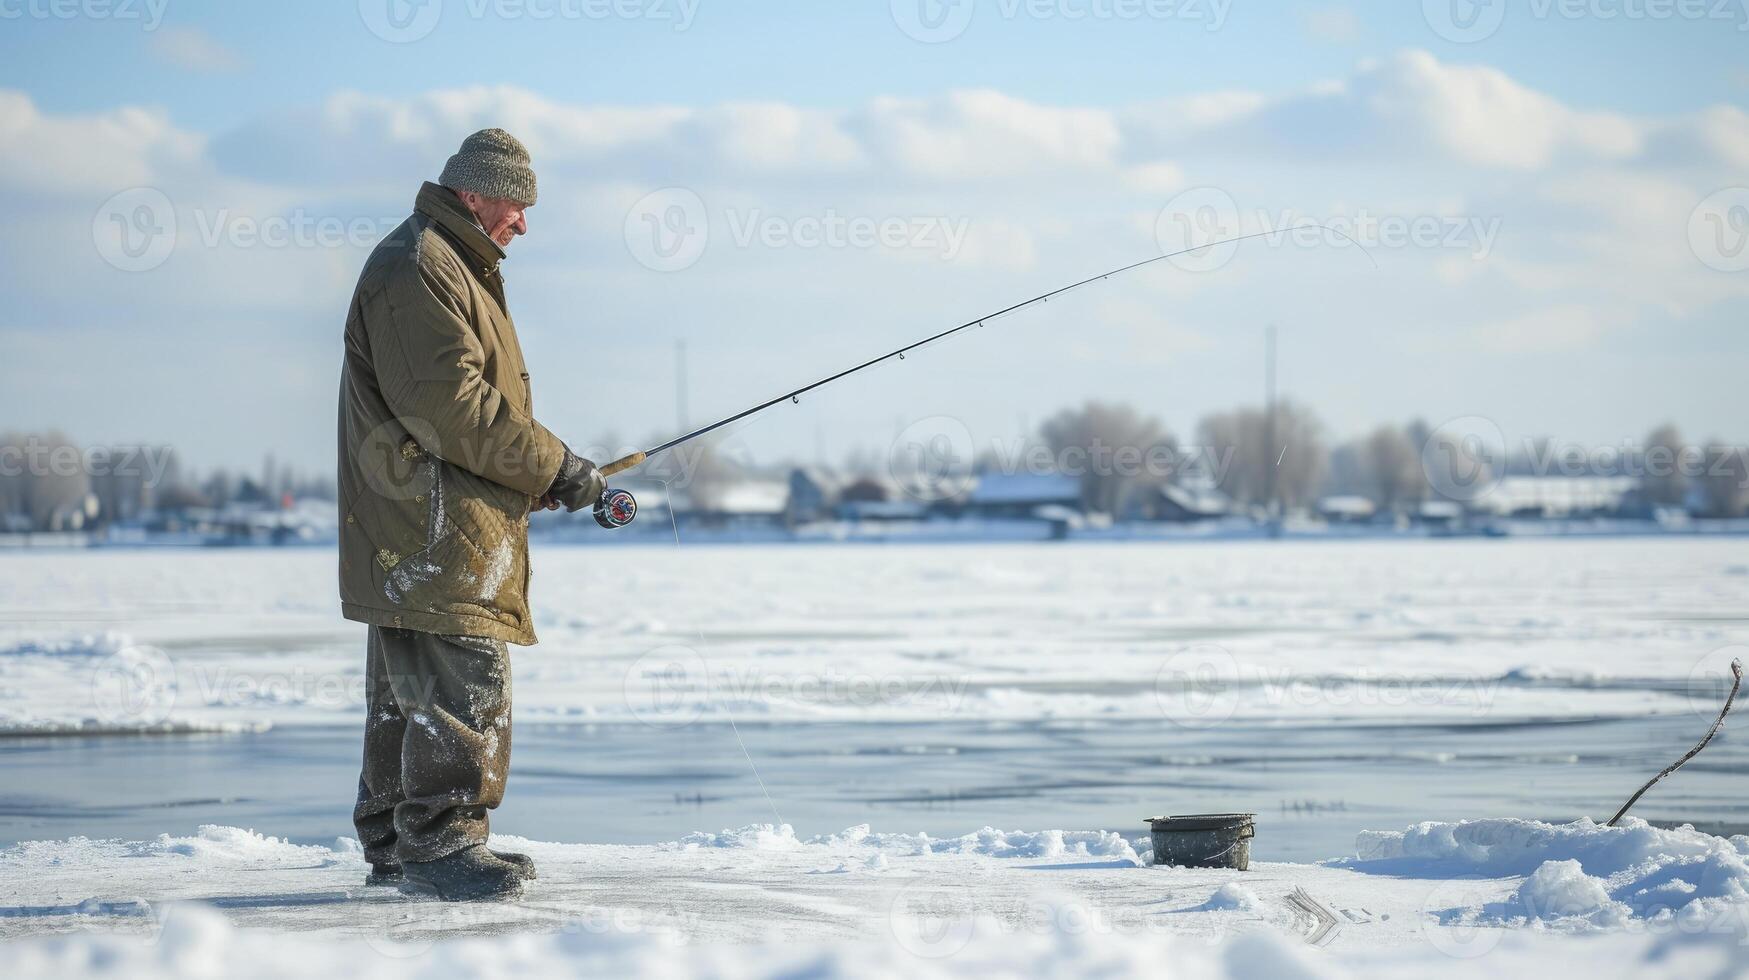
{"type": "Point", "coordinates": [1337, 634]}
{"type": "Point", "coordinates": [1299, 631]}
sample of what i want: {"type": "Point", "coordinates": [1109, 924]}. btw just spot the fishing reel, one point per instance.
{"type": "Point", "coordinates": [615, 508]}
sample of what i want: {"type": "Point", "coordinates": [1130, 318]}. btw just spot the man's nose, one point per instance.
{"type": "Point", "coordinates": [521, 225]}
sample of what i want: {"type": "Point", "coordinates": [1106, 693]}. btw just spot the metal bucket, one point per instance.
{"type": "Point", "coordinates": [1204, 840]}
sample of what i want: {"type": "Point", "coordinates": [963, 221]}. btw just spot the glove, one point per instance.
{"type": "Point", "coordinates": [578, 485]}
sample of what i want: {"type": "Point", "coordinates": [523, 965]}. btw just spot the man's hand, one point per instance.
{"type": "Point", "coordinates": [578, 485]}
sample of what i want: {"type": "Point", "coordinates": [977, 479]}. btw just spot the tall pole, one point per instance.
{"type": "Point", "coordinates": [1271, 461]}
{"type": "Point", "coordinates": [680, 384]}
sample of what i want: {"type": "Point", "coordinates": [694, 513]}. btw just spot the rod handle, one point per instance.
{"type": "Point", "coordinates": [622, 464]}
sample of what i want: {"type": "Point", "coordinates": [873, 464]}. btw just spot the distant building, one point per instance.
{"type": "Point", "coordinates": [744, 503]}
{"type": "Point", "coordinates": [1346, 509]}
{"type": "Point", "coordinates": [1180, 503]}
{"type": "Point", "coordinates": [812, 493]}
{"type": "Point", "coordinates": [1439, 514]}
{"type": "Point", "coordinates": [1021, 495]}
{"type": "Point", "coordinates": [1558, 496]}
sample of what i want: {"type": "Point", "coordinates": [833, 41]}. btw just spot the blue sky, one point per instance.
{"type": "Point", "coordinates": [1581, 149]}
{"type": "Point", "coordinates": [826, 53]}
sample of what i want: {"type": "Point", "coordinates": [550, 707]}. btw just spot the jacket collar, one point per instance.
{"type": "Point", "coordinates": [443, 206]}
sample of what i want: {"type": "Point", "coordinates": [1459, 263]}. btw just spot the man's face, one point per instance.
{"type": "Point", "coordinates": [502, 219]}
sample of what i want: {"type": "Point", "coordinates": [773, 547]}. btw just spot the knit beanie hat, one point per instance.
{"type": "Point", "coordinates": [491, 163]}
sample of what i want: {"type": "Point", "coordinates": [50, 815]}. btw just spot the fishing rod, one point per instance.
{"type": "Point", "coordinates": [617, 508]}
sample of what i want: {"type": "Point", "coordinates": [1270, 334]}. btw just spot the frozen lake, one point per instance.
{"type": "Point", "coordinates": [1330, 686]}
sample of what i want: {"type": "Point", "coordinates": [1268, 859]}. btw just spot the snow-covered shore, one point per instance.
{"type": "Point", "coordinates": [1465, 899]}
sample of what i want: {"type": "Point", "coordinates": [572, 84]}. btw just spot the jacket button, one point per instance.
{"type": "Point", "coordinates": [419, 499]}
{"type": "Point", "coordinates": [350, 519]}
{"type": "Point", "coordinates": [397, 622]}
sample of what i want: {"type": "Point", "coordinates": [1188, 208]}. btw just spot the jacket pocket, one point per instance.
{"type": "Point", "coordinates": [392, 507]}
{"type": "Point", "coordinates": [474, 553]}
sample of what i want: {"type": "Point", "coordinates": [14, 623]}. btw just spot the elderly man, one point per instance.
{"type": "Point", "coordinates": [441, 462]}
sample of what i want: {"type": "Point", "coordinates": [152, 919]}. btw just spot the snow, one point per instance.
{"type": "Point", "coordinates": [1561, 890]}
{"type": "Point", "coordinates": [197, 942]}
{"type": "Point", "coordinates": [1603, 876]}
{"type": "Point", "coordinates": [1231, 896]}
{"type": "Point", "coordinates": [758, 901]}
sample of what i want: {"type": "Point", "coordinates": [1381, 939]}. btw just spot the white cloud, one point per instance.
{"type": "Point", "coordinates": [984, 133]}
{"type": "Point", "coordinates": [106, 151]}
{"type": "Point", "coordinates": [772, 137]}
{"type": "Point", "coordinates": [1409, 107]}
{"type": "Point", "coordinates": [1481, 115]}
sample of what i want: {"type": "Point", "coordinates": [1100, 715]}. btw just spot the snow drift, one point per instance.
{"type": "Point", "coordinates": [1577, 873]}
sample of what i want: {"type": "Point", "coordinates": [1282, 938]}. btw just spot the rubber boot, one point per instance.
{"type": "Point", "coordinates": [386, 873]}
{"type": "Point", "coordinates": [469, 875]}
{"type": "Point", "coordinates": [523, 862]}
{"type": "Point", "coordinates": [389, 872]}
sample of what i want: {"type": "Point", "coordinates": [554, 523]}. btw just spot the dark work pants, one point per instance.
{"type": "Point", "coordinates": [436, 743]}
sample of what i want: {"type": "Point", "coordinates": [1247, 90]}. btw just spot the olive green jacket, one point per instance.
{"type": "Point", "coordinates": [441, 459]}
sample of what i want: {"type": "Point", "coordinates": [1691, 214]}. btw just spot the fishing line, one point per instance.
{"type": "Point", "coordinates": [617, 508]}
{"type": "Point", "coordinates": [673, 522]}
